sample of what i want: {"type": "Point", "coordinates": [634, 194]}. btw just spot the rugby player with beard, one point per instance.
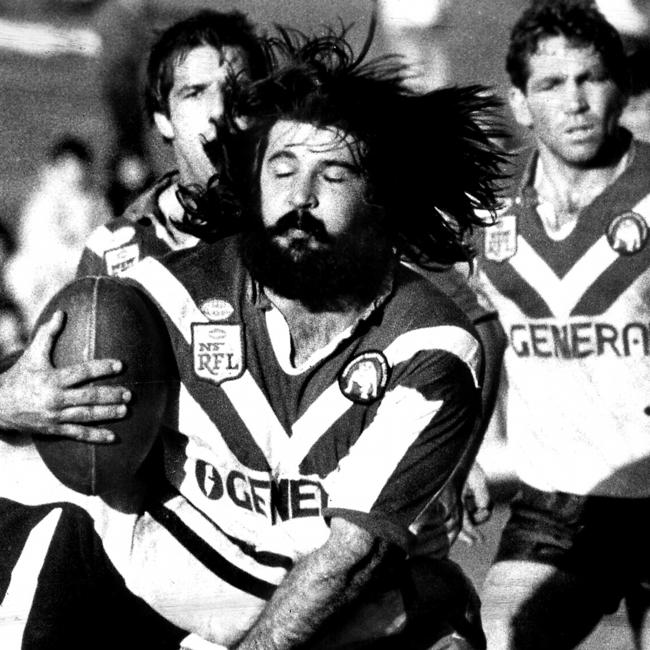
{"type": "Point", "coordinates": [338, 391]}
{"type": "Point", "coordinates": [330, 401]}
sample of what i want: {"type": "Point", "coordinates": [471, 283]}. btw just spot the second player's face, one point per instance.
{"type": "Point", "coordinates": [196, 107]}
{"type": "Point", "coordinates": [571, 103]}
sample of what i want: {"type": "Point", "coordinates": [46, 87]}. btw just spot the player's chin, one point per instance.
{"type": "Point", "coordinates": [583, 153]}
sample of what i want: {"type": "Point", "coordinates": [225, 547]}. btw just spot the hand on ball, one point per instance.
{"type": "Point", "coordinates": [36, 397]}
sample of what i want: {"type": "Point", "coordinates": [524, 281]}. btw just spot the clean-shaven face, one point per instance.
{"type": "Point", "coordinates": [570, 101]}
{"type": "Point", "coordinates": [196, 107]}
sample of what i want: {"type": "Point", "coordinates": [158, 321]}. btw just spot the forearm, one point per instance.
{"type": "Point", "coordinates": [318, 587]}
{"type": "Point", "coordinates": [493, 340]}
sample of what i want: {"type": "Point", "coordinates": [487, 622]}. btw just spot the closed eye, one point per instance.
{"type": "Point", "coordinates": [191, 91]}
{"type": "Point", "coordinates": [339, 172]}
{"type": "Point", "coordinates": [282, 168]}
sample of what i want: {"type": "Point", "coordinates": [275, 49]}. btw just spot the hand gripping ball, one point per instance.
{"type": "Point", "coordinates": [107, 318]}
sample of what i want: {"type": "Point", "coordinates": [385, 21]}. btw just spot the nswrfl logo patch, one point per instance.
{"type": "Point", "coordinates": [119, 260]}
{"type": "Point", "coordinates": [218, 351]}
{"type": "Point", "coordinates": [364, 378]}
{"type": "Point", "coordinates": [500, 238]}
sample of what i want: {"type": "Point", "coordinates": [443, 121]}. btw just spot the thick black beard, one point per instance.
{"type": "Point", "coordinates": [345, 272]}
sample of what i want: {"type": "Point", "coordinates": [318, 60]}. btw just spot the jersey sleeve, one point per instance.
{"type": "Point", "coordinates": [419, 435]}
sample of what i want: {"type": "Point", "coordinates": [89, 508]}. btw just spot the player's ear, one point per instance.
{"type": "Point", "coordinates": [519, 106]}
{"type": "Point", "coordinates": [164, 125]}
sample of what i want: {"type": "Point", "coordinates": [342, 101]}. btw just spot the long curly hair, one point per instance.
{"type": "Point", "coordinates": [430, 159]}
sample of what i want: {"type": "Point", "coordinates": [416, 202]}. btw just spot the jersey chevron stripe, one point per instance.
{"type": "Point", "coordinates": [328, 407]}
{"type": "Point", "coordinates": [259, 418]}
{"type": "Point", "coordinates": [575, 311]}
{"type": "Point", "coordinates": [170, 294]}
{"type": "Point", "coordinates": [399, 406]}
{"type": "Point", "coordinates": [20, 594]}
{"type": "Point", "coordinates": [201, 431]}
{"type": "Point", "coordinates": [449, 338]}
{"type": "Point", "coordinates": [331, 404]}
{"type": "Point", "coordinates": [265, 565]}
{"type": "Point", "coordinates": [244, 393]}
{"type": "Point", "coordinates": [561, 295]}
{"type": "Point", "coordinates": [212, 558]}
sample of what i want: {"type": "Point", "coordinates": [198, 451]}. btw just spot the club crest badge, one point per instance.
{"type": "Point", "coordinates": [500, 239]}
{"type": "Point", "coordinates": [218, 351]}
{"type": "Point", "coordinates": [364, 379]}
{"type": "Point", "coordinates": [120, 260]}
{"type": "Point", "coordinates": [627, 233]}
{"type": "Point", "coordinates": [216, 309]}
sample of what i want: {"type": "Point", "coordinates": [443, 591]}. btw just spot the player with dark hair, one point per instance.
{"type": "Point", "coordinates": [188, 66]}
{"type": "Point", "coordinates": [329, 395]}
{"type": "Point", "coordinates": [568, 268]}
{"type": "Point", "coordinates": [579, 22]}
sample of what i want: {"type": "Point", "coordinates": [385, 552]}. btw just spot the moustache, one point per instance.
{"type": "Point", "coordinates": [302, 220]}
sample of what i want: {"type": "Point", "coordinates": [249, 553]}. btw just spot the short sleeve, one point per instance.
{"type": "Point", "coordinates": [410, 448]}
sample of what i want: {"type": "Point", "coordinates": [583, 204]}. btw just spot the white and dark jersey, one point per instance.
{"type": "Point", "coordinates": [370, 429]}
{"type": "Point", "coordinates": [577, 314]}
{"type": "Point", "coordinates": [58, 589]}
{"type": "Point", "coordinates": [143, 230]}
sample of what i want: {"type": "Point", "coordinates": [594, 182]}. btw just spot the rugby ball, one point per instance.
{"type": "Point", "coordinates": [107, 318]}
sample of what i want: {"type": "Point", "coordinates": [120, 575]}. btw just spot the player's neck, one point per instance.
{"type": "Point", "coordinates": [311, 331]}
{"type": "Point", "coordinates": [169, 204]}
{"type": "Point", "coordinates": [564, 190]}
{"type": "Point", "coordinates": [172, 209]}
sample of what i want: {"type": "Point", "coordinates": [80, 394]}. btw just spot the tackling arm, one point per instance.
{"type": "Point", "coordinates": [318, 586]}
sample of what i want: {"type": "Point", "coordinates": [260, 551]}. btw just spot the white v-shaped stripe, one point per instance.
{"type": "Point", "coordinates": [244, 394]}
{"type": "Point", "coordinates": [562, 294]}
{"type": "Point", "coordinates": [19, 597]}
{"type": "Point", "coordinates": [284, 454]}
{"type": "Point", "coordinates": [331, 404]}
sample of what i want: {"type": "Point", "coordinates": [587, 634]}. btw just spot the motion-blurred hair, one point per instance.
{"type": "Point", "coordinates": [429, 159]}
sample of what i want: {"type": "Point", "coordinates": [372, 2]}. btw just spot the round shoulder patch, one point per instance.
{"type": "Point", "coordinates": [627, 233]}
{"type": "Point", "coordinates": [364, 378]}
{"type": "Point", "coordinates": [215, 309]}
